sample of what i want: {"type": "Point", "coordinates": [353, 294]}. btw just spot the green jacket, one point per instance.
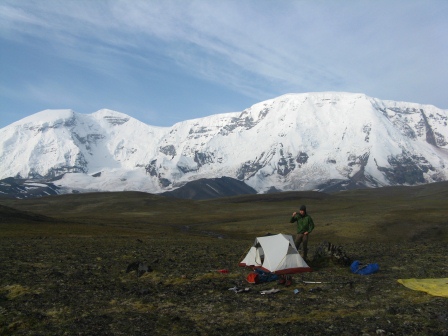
{"type": "Point", "coordinates": [304, 224]}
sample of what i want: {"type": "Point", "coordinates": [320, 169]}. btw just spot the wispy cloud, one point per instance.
{"type": "Point", "coordinates": [260, 48]}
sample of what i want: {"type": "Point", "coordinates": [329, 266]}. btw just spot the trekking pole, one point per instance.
{"type": "Point", "coordinates": [329, 282]}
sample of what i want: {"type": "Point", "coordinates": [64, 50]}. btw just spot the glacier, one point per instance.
{"type": "Point", "coordinates": [302, 141]}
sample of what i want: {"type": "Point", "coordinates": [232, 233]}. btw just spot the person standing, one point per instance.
{"type": "Point", "coordinates": [305, 226]}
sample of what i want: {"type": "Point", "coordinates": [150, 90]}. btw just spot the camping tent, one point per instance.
{"type": "Point", "coordinates": [276, 254]}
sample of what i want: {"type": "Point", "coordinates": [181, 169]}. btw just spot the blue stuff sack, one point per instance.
{"type": "Point", "coordinates": [357, 268]}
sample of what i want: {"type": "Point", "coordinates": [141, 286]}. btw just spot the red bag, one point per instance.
{"type": "Point", "coordinates": [252, 278]}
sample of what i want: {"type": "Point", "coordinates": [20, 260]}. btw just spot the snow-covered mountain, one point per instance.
{"type": "Point", "coordinates": [293, 142]}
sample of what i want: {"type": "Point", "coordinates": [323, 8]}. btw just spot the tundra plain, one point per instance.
{"type": "Point", "coordinates": [64, 260]}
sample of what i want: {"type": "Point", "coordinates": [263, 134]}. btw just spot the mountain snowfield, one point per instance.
{"type": "Point", "coordinates": [292, 142]}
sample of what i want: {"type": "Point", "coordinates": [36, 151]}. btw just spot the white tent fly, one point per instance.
{"type": "Point", "coordinates": [276, 254]}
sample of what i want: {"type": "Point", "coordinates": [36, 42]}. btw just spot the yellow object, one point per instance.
{"type": "Point", "coordinates": [436, 287]}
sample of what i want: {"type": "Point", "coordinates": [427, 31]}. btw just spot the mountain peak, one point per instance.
{"type": "Point", "coordinates": [46, 116]}
{"type": "Point", "coordinates": [317, 140]}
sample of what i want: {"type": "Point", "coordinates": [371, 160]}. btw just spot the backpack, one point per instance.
{"type": "Point", "coordinates": [260, 276]}
{"type": "Point", "coordinates": [265, 276]}
{"type": "Point", "coordinates": [252, 278]}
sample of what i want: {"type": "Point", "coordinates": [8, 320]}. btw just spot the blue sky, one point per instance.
{"type": "Point", "coordinates": [162, 62]}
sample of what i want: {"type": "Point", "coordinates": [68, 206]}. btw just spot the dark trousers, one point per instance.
{"type": "Point", "coordinates": [302, 238]}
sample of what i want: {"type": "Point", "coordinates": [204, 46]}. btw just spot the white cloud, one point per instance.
{"type": "Point", "coordinates": [258, 47]}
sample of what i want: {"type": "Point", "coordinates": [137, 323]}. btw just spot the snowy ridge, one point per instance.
{"type": "Point", "coordinates": [292, 142]}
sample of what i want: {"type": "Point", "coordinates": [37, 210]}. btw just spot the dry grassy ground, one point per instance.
{"type": "Point", "coordinates": [67, 275]}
